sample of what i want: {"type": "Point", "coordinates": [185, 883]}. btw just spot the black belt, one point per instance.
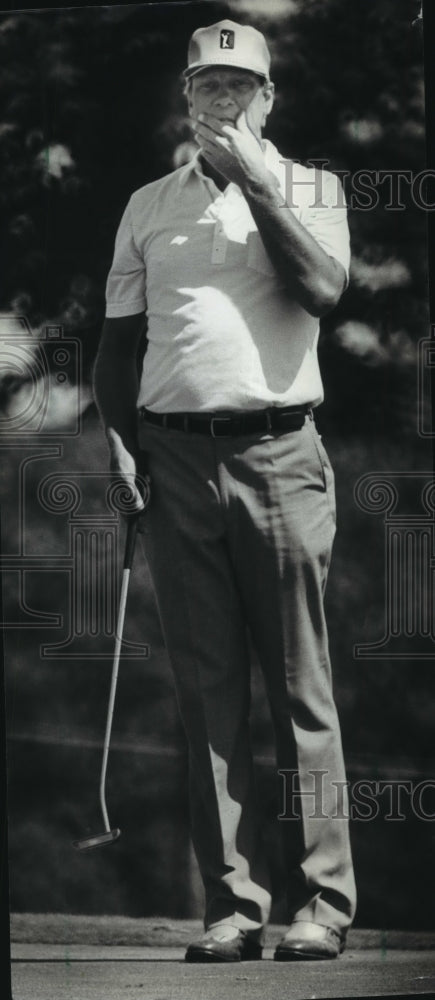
{"type": "Point", "coordinates": [231, 424]}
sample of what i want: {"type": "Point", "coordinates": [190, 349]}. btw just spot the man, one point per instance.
{"type": "Point", "coordinates": [239, 530]}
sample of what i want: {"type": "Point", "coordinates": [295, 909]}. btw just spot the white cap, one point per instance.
{"type": "Point", "coordinates": [228, 44]}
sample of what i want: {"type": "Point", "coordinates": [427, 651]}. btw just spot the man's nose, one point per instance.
{"type": "Point", "coordinates": [225, 94]}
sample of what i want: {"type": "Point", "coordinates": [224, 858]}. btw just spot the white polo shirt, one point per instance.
{"type": "Point", "coordinates": [222, 331]}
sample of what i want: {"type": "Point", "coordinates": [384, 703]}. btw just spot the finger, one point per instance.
{"type": "Point", "coordinates": [128, 496]}
{"type": "Point", "coordinates": [214, 124]}
{"type": "Point", "coordinates": [201, 138]}
{"type": "Point", "coordinates": [223, 142]}
{"type": "Point", "coordinates": [213, 129]}
{"type": "Point", "coordinates": [230, 130]}
{"type": "Point", "coordinates": [143, 484]}
{"type": "Point", "coordinates": [138, 514]}
{"type": "Point", "coordinates": [205, 134]}
{"type": "Point", "coordinates": [244, 126]}
{"type": "Point", "coordinates": [201, 128]}
{"type": "Point", "coordinates": [214, 150]}
{"type": "Point", "coordinates": [242, 121]}
{"type": "Point", "coordinates": [138, 503]}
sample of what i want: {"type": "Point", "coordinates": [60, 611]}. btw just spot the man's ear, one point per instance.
{"type": "Point", "coordinates": [269, 97]}
{"type": "Point", "coordinates": [187, 90]}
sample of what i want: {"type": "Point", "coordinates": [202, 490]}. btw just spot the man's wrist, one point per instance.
{"type": "Point", "coordinates": [262, 184]}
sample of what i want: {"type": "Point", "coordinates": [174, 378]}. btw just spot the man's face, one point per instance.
{"type": "Point", "coordinates": [225, 93]}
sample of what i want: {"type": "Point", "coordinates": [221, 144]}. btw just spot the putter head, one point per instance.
{"type": "Point", "coordinates": [97, 841]}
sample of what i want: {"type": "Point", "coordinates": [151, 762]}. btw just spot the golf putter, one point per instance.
{"type": "Point", "coordinates": [108, 835]}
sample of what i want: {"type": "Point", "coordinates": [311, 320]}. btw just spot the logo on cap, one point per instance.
{"type": "Point", "coordinates": [227, 39]}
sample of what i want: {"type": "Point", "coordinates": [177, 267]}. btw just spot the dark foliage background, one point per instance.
{"type": "Point", "coordinates": [92, 109]}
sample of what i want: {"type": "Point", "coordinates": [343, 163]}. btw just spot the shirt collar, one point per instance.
{"type": "Point", "coordinates": [193, 166]}
{"type": "Point", "coordinates": [271, 155]}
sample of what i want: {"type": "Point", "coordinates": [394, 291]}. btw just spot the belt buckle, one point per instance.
{"type": "Point", "coordinates": [219, 420]}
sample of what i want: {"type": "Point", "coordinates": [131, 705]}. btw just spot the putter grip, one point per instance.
{"type": "Point", "coordinates": [130, 542]}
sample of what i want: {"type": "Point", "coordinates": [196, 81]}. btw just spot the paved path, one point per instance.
{"type": "Point", "coordinates": [96, 972]}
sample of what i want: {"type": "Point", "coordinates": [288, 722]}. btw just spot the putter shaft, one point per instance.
{"type": "Point", "coordinates": [110, 835]}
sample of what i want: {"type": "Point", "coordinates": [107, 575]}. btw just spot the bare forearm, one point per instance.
{"type": "Point", "coordinates": [313, 278]}
{"type": "Point", "coordinates": [116, 383]}
{"type": "Point", "coordinates": [116, 390]}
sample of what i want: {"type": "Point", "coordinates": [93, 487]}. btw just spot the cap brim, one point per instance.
{"type": "Point", "coordinates": [194, 70]}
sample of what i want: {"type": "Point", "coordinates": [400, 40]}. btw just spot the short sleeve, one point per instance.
{"type": "Point", "coordinates": [125, 288]}
{"type": "Point", "coordinates": [326, 219]}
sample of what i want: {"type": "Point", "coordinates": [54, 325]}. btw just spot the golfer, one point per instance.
{"type": "Point", "coordinates": [230, 260]}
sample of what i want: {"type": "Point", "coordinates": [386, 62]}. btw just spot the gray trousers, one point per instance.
{"type": "Point", "coordinates": [239, 534]}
